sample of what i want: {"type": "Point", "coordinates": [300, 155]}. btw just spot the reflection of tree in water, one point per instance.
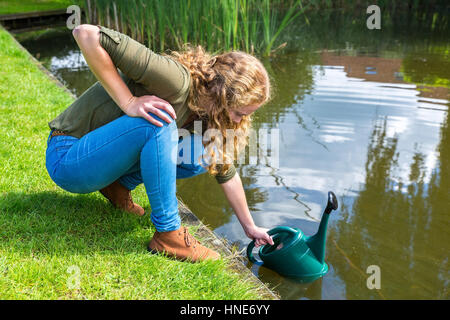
{"type": "Point", "coordinates": [254, 194]}
{"type": "Point", "coordinates": [438, 195]}
{"type": "Point", "coordinates": [291, 78]}
{"type": "Point", "coordinates": [402, 229]}
{"type": "Point", "coordinates": [430, 66]}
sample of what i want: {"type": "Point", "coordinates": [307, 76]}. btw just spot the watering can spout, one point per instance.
{"type": "Point", "coordinates": [317, 242]}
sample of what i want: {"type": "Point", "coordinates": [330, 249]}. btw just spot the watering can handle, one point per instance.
{"type": "Point", "coordinates": [271, 232]}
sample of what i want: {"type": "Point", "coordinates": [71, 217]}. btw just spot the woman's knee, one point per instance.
{"type": "Point", "coordinates": [151, 129]}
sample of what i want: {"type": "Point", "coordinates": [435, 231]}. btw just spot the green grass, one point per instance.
{"type": "Point", "coordinates": [46, 234]}
{"type": "Point", "coordinates": [20, 6]}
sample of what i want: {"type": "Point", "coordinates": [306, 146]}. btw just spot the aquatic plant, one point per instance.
{"type": "Point", "coordinates": [248, 25]}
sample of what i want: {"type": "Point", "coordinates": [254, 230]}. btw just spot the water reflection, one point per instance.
{"type": "Point", "coordinates": [375, 144]}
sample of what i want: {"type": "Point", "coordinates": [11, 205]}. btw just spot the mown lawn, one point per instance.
{"type": "Point", "coordinates": [19, 6]}
{"type": "Point", "coordinates": [58, 245]}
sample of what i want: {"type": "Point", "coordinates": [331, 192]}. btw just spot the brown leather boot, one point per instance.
{"type": "Point", "coordinates": [120, 197]}
{"type": "Point", "coordinates": [181, 245]}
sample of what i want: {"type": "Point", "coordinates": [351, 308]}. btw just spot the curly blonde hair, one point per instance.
{"type": "Point", "coordinates": [220, 83]}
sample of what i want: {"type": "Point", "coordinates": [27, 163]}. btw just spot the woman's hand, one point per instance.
{"type": "Point", "coordinates": [141, 106]}
{"type": "Point", "coordinates": [260, 236]}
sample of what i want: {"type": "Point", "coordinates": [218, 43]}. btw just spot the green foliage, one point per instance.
{"type": "Point", "coordinates": [217, 25]}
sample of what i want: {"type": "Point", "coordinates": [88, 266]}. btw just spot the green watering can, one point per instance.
{"type": "Point", "coordinates": [295, 255]}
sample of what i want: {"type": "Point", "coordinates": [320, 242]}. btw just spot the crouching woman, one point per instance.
{"type": "Point", "coordinates": [120, 132]}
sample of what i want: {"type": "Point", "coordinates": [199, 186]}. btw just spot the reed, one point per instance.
{"type": "Point", "coordinates": [217, 25]}
{"type": "Point", "coordinates": [272, 28]}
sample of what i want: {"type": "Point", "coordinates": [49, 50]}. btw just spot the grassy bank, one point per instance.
{"type": "Point", "coordinates": [58, 245]}
{"type": "Point", "coordinates": [19, 6]}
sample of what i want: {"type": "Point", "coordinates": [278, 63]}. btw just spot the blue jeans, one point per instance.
{"type": "Point", "coordinates": [134, 151]}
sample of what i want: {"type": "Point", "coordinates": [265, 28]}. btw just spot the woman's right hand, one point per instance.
{"type": "Point", "coordinates": [141, 106]}
{"type": "Point", "coordinates": [259, 235]}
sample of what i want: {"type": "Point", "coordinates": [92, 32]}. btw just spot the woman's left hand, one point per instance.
{"type": "Point", "coordinates": [260, 236]}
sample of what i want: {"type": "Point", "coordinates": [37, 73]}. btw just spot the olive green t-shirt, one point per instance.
{"type": "Point", "coordinates": [145, 73]}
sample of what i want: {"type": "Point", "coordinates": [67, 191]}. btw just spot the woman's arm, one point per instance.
{"type": "Point", "coordinates": [234, 192]}
{"type": "Point", "coordinates": [101, 65]}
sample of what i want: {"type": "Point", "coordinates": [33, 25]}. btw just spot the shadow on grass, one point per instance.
{"type": "Point", "coordinates": [67, 224]}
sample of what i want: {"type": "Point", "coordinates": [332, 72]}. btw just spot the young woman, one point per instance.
{"type": "Point", "coordinates": [124, 130]}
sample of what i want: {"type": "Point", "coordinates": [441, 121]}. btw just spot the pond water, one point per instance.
{"type": "Point", "coordinates": [364, 117]}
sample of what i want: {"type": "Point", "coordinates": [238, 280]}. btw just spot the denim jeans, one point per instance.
{"type": "Point", "coordinates": [134, 151]}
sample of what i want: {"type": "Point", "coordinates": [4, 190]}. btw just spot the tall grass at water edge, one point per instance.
{"type": "Point", "coordinates": [249, 25]}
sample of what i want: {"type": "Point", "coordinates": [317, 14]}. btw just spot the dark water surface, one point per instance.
{"type": "Point", "coordinates": [368, 120]}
